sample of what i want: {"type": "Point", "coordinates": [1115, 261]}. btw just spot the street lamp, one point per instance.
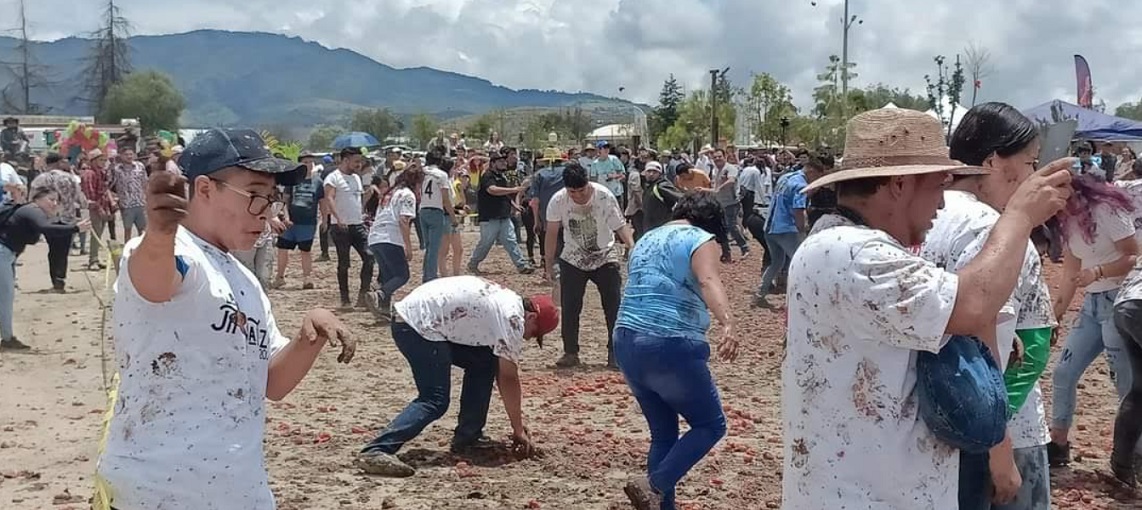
{"type": "Point", "coordinates": [847, 22]}
{"type": "Point", "coordinates": [715, 75]}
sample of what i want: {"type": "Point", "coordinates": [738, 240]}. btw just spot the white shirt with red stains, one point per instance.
{"type": "Point", "coordinates": [957, 236]}
{"type": "Point", "coordinates": [189, 419]}
{"type": "Point", "coordinates": [467, 310]}
{"type": "Point", "coordinates": [861, 307]}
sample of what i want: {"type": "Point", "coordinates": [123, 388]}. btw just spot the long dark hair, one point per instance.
{"type": "Point", "coordinates": [991, 128]}
{"type": "Point", "coordinates": [702, 210]}
{"type": "Point", "coordinates": [1089, 192]}
{"type": "Point", "coordinates": [411, 178]}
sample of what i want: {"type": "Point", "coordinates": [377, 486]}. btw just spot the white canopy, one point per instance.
{"type": "Point", "coordinates": [612, 132]}
{"type": "Point", "coordinates": [956, 116]}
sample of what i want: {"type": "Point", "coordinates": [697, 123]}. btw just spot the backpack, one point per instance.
{"type": "Point", "coordinates": [6, 213]}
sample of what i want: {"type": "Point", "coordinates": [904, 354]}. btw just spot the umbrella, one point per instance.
{"type": "Point", "coordinates": [355, 139]}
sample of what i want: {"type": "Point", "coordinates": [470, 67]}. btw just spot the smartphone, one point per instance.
{"type": "Point", "coordinates": [1055, 142]}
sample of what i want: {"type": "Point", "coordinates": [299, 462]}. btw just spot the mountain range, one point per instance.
{"type": "Point", "coordinates": [249, 78]}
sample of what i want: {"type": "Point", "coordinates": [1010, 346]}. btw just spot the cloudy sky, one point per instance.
{"type": "Point", "coordinates": [602, 45]}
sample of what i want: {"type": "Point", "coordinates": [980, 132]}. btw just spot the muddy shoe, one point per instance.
{"type": "Point", "coordinates": [1124, 474]}
{"type": "Point", "coordinates": [383, 464]}
{"type": "Point", "coordinates": [483, 443]}
{"type": "Point", "coordinates": [308, 286]}
{"type": "Point", "coordinates": [642, 495]}
{"type": "Point", "coordinates": [13, 344]}
{"type": "Point", "coordinates": [363, 300]}
{"type": "Point", "coordinates": [278, 283]}
{"type": "Point", "coordinates": [568, 361]}
{"type": "Point", "coordinates": [761, 302]}
{"type": "Point", "coordinates": [1058, 455]}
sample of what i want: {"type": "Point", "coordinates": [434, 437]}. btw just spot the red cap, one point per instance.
{"type": "Point", "coordinates": [546, 314]}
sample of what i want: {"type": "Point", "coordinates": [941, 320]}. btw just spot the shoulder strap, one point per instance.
{"type": "Point", "coordinates": [7, 212]}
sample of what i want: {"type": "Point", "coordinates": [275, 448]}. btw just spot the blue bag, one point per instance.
{"type": "Point", "coordinates": [962, 397]}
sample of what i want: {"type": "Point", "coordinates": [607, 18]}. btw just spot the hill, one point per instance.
{"type": "Point", "coordinates": [258, 79]}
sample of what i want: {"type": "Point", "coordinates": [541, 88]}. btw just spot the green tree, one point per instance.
{"type": "Point", "coordinates": [666, 113]}
{"type": "Point", "coordinates": [321, 139]}
{"type": "Point", "coordinates": [694, 119]}
{"type": "Point", "coordinates": [949, 83]}
{"type": "Point", "coordinates": [479, 131]}
{"type": "Point", "coordinates": [876, 96]}
{"type": "Point", "coordinates": [149, 96]}
{"type": "Point", "coordinates": [379, 122]}
{"type": "Point", "coordinates": [769, 101]}
{"type": "Point", "coordinates": [424, 127]}
{"type": "Point", "coordinates": [577, 123]}
{"type": "Point", "coordinates": [1130, 110]}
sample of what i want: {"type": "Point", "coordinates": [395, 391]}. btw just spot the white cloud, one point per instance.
{"type": "Point", "coordinates": [601, 45]}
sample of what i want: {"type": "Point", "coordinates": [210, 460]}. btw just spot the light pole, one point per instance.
{"type": "Point", "coordinates": [847, 23]}
{"type": "Point", "coordinates": [715, 75]}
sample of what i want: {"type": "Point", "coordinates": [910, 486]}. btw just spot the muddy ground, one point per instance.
{"type": "Point", "coordinates": [585, 421]}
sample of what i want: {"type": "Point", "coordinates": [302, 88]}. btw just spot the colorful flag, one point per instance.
{"type": "Point", "coordinates": [1085, 83]}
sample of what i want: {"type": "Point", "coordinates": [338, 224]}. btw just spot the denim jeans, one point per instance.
{"type": "Point", "coordinates": [732, 222]}
{"type": "Point", "coordinates": [431, 364]}
{"type": "Point", "coordinates": [671, 377]}
{"type": "Point", "coordinates": [490, 231]}
{"type": "Point", "coordinates": [355, 237]}
{"type": "Point", "coordinates": [7, 291]}
{"type": "Point", "coordinates": [432, 225]}
{"type": "Point", "coordinates": [781, 249]}
{"type": "Point", "coordinates": [976, 487]}
{"type": "Point", "coordinates": [393, 266]}
{"type": "Point", "coordinates": [1093, 333]}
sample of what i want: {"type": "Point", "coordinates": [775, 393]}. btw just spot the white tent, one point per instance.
{"type": "Point", "coordinates": [891, 106]}
{"type": "Point", "coordinates": [613, 133]}
{"type": "Point", "coordinates": [956, 116]}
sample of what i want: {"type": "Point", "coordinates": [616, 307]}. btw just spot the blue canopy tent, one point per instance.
{"type": "Point", "coordinates": [1093, 125]}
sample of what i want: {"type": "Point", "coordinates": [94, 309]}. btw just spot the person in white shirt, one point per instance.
{"type": "Point", "coordinates": [589, 218]}
{"type": "Point", "coordinates": [861, 306]}
{"type": "Point", "coordinates": [755, 189]}
{"type": "Point", "coordinates": [1013, 475]}
{"type": "Point", "coordinates": [725, 179]}
{"type": "Point", "coordinates": [13, 186]}
{"type": "Point", "coordinates": [437, 216]}
{"type": "Point", "coordinates": [343, 199]}
{"type": "Point", "coordinates": [478, 326]}
{"type": "Point", "coordinates": [196, 343]}
{"type": "Point", "coordinates": [390, 239]}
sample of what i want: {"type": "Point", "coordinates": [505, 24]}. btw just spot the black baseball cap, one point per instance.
{"type": "Point", "coordinates": [217, 149]}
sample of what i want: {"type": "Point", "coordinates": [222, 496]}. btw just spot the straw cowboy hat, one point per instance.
{"type": "Point", "coordinates": [891, 142]}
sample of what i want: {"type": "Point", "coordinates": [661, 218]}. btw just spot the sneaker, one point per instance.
{"type": "Point", "coordinates": [13, 344]}
{"type": "Point", "coordinates": [526, 270]}
{"type": "Point", "coordinates": [384, 464]}
{"type": "Point", "coordinates": [381, 306]}
{"type": "Point", "coordinates": [481, 443]}
{"type": "Point", "coordinates": [642, 495]}
{"type": "Point", "coordinates": [279, 282]}
{"type": "Point", "coordinates": [308, 286]}
{"type": "Point", "coordinates": [568, 361]}
{"type": "Point", "coordinates": [1058, 455]}
{"type": "Point", "coordinates": [727, 259]}
{"type": "Point", "coordinates": [761, 302]}
{"type": "Point", "coordinates": [474, 271]}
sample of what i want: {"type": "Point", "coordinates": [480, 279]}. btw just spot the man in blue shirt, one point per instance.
{"type": "Point", "coordinates": [545, 184]}
{"type": "Point", "coordinates": [788, 222]}
{"type": "Point", "coordinates": [608, 170]}
{"type": "Point", "coordinates": [301, 217]}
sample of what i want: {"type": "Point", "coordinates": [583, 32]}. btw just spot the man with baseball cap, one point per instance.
{"type": "Point", "coordinates": [301, 215]}
{"type": "Point", "coordinates": [478, 326]}
{"type": "Point", "coordinates": [197, 345]}
{"type": "Point", "coordinates": [866, 378]}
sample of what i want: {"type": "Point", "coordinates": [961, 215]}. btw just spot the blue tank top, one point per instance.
{"type": "Point", "coordinates": [662, 296]}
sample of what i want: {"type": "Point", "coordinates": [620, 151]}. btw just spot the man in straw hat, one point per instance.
{"type": "Point", "coordinates": [862, 308]}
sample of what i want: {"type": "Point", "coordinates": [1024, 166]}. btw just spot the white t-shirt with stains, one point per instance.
{"type": "Point", "coordinates": [957, 236]}
{"type": "Point", "coordinates": [467, 310]}
{"type": "Point", "coordinates": [588, 229]}
{"type": "Point", "coordinates": [860, 308]}
{"type": "Point", "coordinates": [1111, 226]}
{"type": "Point", "coordinates": [189, 419]}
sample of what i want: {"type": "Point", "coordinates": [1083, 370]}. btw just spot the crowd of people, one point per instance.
{"type": "Point", "coordinates": [919, 321]}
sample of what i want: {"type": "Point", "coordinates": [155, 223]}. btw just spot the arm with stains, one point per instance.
{"type": "Point", "coordinates": [290, 364]}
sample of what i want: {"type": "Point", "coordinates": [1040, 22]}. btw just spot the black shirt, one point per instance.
{"type": "Point", "coordinates": [658, 199]}
{"type": "Point", "coordinates": [25, 225]}
{"type": "Point", "coordinates": [821, 202]}
{"type": "Point", "coordinates": [491, 207]}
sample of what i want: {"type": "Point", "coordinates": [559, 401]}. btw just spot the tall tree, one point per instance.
{"type": "Point", "coordinates": [379, 122]}
{"type": "Point", "coordinates": [949, 84]}
{"type": "Point", "coordinates": [979, 67]}
{"type": "Point", "coordinates": [693, 122]}
{"type": "Point", "coordinates": [423, 129]}
{"type": "Point", "coordinates": [149, 96]}
{"type": "Point", "coordinates": [664, 115]}
{"type": "Point", "coordinates": [769, 101]}
{"type": "Point", "coordinates": [1130, 110]}
{"type": "Point", "coordinates": [27, 75]}
{"type": "Point", "coordinates": [109, 62]}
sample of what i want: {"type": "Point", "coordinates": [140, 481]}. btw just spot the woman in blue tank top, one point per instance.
{"type": "Point", "coordinates": [661, 346]}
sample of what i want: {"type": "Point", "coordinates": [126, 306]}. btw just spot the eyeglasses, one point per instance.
{"type": "Point", "coordinates": [258, 203]}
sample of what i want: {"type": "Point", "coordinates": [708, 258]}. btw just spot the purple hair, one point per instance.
{"type": "Point", "coordinates": [1089, 192]}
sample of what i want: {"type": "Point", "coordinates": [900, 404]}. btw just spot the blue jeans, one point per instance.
{"type": "Point", "coordinates": [7, 291]}
{"type": "Point", "coordinates": [393, 266]}
{"type": "Point", "coordinates": [501, 230]}
{"type": "Point", "coordinates": [432, 223]}
{"type": "Point", "coordinates": [781, 248]}
{"type": "Point", "coordinates": [976, 487]}
{"type": "Point", "coordinates": [431, 364]}
{"type": "Point", "coordinates": [671, 377]}
{"type": "Point", "coordinates": [732, 221]}
{"type": "Point", "coordinates": [1093, 333]}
